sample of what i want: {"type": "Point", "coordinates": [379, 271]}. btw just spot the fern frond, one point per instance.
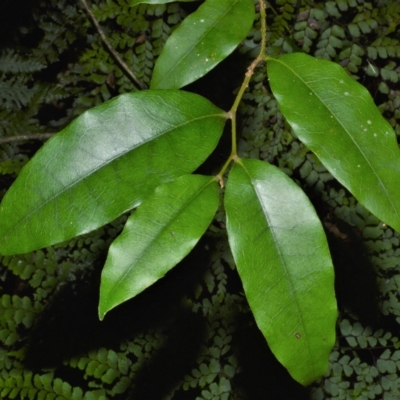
{"type": "Point", "coordinates": [283, 19]}
{"type": "Point", "coordinates": [14, 63]}
{"type": "Point", "coordinates": [26, 385]}
{"type": "Point", "coordinates": [14, 93]}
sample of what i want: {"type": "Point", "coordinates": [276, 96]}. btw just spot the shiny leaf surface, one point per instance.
{"type": "Point", "coordinates": [156, 237]}
{"type": "Point", "coordinates": [283, 259]}
{"type": "Point", "coordinates": [104, 163]}
{"type": "Point", "coordinates": [337, 119]}
{"type": "Point", "coordinates": [202, 41]}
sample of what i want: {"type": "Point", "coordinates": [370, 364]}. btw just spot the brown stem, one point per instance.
{"type": "Point", "coordinates": [250, 71]}
{"type": "Point", "coordinates": [117, 57]}
{"type": "Point", "coordinates": [35, 136]}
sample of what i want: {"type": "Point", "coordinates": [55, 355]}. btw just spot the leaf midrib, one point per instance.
{"type": "Point", "coordinates": [280, 254]}
{"type": "Point", "coordinates": [345, 130]}
{"type": "Point", "coordinates": [172, 218]}
{"type": "Point", "coordinates": [166, 75]}
{"type": "Point", "coordinates": [91, 172]}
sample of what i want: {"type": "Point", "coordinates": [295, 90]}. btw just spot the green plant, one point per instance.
{"type": "Point", "coordinates": [89, 176]}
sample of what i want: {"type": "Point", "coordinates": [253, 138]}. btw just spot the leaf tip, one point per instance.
{"type": "Point", "coordinates": [103, 309]}
{"type": "Point", "coordinates": [102, 313]}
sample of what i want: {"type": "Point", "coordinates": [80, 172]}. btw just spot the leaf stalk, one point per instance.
{"type": "Point", "coordinates": [249, 73]}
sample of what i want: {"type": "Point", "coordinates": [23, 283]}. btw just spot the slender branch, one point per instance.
{"type": "Point", "coordinates": [114, 53]}
{"type": "Point", "coordinates": [35, 136]}
{"type": "Point", "coordinates": [253, 65]}
{"type": "Point", "coordinates": [249, 73]}
{"type": "Point", "coordinates": [220, 176]}
{"type": "Point", "coordinates": [263, 17]}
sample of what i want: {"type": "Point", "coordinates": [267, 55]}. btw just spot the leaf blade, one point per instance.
{"type": "Point", "coordinates": [346, 131]}
{"type": "Point", "coordinates": [105, 163]}
{"type": "Point", "coordinates": [163, 230]}
{"type": "Point", "coordinates": [203, 39]}
{"type": "Point", "coordinates": [282, 257]}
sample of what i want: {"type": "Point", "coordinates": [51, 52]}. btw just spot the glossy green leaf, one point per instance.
{"type": "Point", "coordinates": [105, 163]}
{"type": "Point", "coordinates": [157, 236]}
{"type": "Point", "coordinates": [203, 40]}
{"type": "Point", "coordinates": [337, 119]}
{"type": "Point", "coordinates": [283, 259]}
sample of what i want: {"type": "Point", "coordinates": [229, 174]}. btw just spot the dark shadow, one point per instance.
{"type": "Point", "coordinates": [171, 363]}
{"type": "Point", "coordinates": [262, 376]}
{"type": "Point", "coordinates": [69, 326]}
{"type": "Point", "coordinates": [15, 21]}
{"type": "Point", "coordinates": [219, 84]}
{"type": "Point", "coordinates": [355, 279]}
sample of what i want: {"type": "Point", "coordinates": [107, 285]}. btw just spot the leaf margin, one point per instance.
{"type": "Point", "coordinates": [172, 231]}
{"type": "Point", "coordinates": [61, 228]}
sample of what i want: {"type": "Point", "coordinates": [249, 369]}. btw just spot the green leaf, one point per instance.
{"type": "Point", "coordinates": [156, 237]}
{"type": "Point", "coordinates": [283, 259]}
{"type": "Point", "coordinates": [203, 40]}
{"type": "Point", "coordinates": [336, 118]}
{"type": "Point", "coordinates": [105, 163]}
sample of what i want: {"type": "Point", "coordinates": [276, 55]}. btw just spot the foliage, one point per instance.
{"type": "Point", "coordinates": [205, 45]}
{"type": "Point", "coordinates": [163, 135]}
{"type": "Point", "coordinates": [279, 146]}
{"type": "Point", "coordinates": [372, 380]}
